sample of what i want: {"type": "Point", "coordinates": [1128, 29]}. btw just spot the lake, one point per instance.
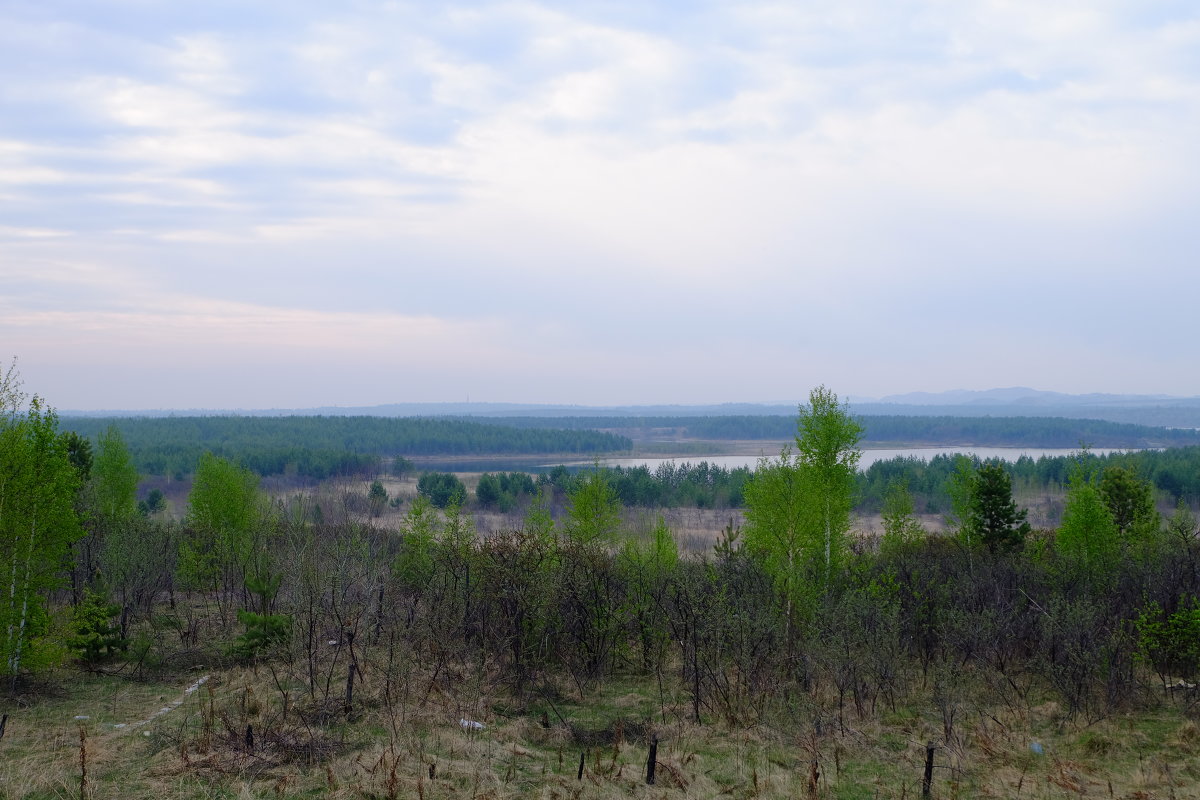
{"type": "Point", "coordinates": [869, 457]}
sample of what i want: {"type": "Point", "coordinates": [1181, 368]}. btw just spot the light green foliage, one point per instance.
{"type": "Point", "coordinates": [827, 450]}
{"type": "Point", "coordinates": [798, 507]}
{"type": "Point", "coordinates": [901, 528]}
{"type": "Point", "coordinates": [1088, 535]}
{"type": "Point", "coordinates": [11, 396]}
{"type": "Point", "coordinates": [116, 540]}
{"type": "Point", "coordinates": [593, 510]}
{"type": "Point", "coordinates": [648, 567]}
{"type": "Point", "coordinates": [38, 523]}
{"type": "Point", "coordinates": [413, 566]}
{"type": "Point", "coordinates": [224, 510]}
{"type": "Point", "coordinates": [114, 478]}
{"type": "Point", "coordinates": [779, 529]}
{"type": "Point", "coordinates": [958, 487]}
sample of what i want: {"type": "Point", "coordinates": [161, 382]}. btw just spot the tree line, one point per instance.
{"type": "Point", "coordinates": [320, 447]}
{"type": "Point", "coordinates": [966, 429]}
{"type": "Point", "coordinates": [1174, 472]}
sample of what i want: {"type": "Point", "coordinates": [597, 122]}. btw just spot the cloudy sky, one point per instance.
{"type": "Point", "coordinates": [288, 204]}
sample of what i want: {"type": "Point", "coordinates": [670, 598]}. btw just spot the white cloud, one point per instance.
{"type": "Point", "coordinates": [572, 170]}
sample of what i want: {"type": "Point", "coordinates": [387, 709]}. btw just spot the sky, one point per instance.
{"type": "Point", "coordinates": [295, 204]}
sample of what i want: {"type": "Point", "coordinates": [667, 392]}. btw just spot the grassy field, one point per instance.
{"type": "Point", "coordinates": [81, 734]}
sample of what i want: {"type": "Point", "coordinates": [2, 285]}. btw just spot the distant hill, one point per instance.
{"type": "Point", "coordinates": [1024, 396]}
{"type": "Point", "coordinates": [1017, 401]}
{"type": "Point", "coordinates": [463, 410]}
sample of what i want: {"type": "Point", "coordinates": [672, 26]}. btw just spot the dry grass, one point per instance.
{"type": "Point", "coordinates": [199, 749]}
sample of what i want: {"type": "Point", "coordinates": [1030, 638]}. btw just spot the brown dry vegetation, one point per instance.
{"type": "Point", "coordinates": [418, 748]}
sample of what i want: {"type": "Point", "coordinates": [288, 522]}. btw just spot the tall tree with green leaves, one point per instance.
{"type": "Point", "coordinates": [779, 530]}
{"type": "Point", "coordinates": [798, 506]}
{"type": "Point", "coordinates": [1088, 534]}
{"type": "Point", "coordinates": [827, 451]}
{"type": "Point", "coordinates": [114, 477]}
{"type": "Point", "coordinates": [226, 516]}
{"type": "Point", "coordinates": [109, 503]}
{"type": "Point", "coordinates": [38, 521]}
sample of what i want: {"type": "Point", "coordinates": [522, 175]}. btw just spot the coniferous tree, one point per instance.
{"type": "Point", "coordinates": [993, 516]}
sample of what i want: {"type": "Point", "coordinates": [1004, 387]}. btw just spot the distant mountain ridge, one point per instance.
{"type": "Point", "coordinates": [465, 410]}
{"type": "Point", "coordinates": [1023, 395]}
{"type": "Point", "coordinates": [1156, 410]}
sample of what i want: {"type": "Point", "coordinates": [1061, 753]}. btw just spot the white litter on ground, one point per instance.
{"type": "Point", "coordinates": [471, 724]}
{"type": "Point", "coordinates": [164, 710]}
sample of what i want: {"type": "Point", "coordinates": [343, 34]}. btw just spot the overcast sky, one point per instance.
{"type": "Point", "coordinates": [289, 204]}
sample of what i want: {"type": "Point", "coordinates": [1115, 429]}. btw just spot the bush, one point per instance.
{"type": "Point", "coordinates": [262, 632]}
{"type": "Point", "coordinates": [442, 489]}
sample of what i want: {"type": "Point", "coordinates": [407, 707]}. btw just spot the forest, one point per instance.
{"type": "Point", "coordinates": [316, 652]}
{"type": "Point", "coordinates": [879, 429]}
{"type": "Point", "coordinates": [1175, 472]}
{"type": "Point", "coordinates": [320, 447]}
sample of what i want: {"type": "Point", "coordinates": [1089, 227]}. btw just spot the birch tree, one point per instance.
{"type": "Point", "coordinates": [38, 522]}
{"type": "Point", "coordinates": [779, 527]}
{"type": "Point", "coordinates": [827, 451]}
{"type": "Point", "coordinates": [227, 546]}
{"type": "Point", "coordinates": [798, 507]}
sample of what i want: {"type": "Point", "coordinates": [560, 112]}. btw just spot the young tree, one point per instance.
{"type": "Point", "coordinates": [648, 568]}
{"type": "Point", "coordinates": [827, 450]}
{"type": "Point", "coordinates": [993, 517]}
{"type": "Point", "coordinates": [114, 477]}
{"type": "Point", "coordinates": [1088, 534]}
{"type": "Point", "coordinates": [779, 527]}
{"type": "Point", "coordinates": [224, 509]}
{"type": "Point", "coordinates": [377, 498]}
{"type": "Point", "coordinates": [109, 502]}
{"type": "Point", "coordinates": [900, 526]}
{"type": "Point", "coordinates": [1182, 525]}
{"type": "Point", "coordinates": [798, 507]}
{"type": "Point", "coordinates": [593, 510]}
{"type": "Point", "coordinates": [960, 488]}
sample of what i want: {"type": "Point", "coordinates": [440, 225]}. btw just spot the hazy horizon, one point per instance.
{"type": "Point", "coordinates": [293, 205]}
{"type": "Point", "coordinates": [988, 400]}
